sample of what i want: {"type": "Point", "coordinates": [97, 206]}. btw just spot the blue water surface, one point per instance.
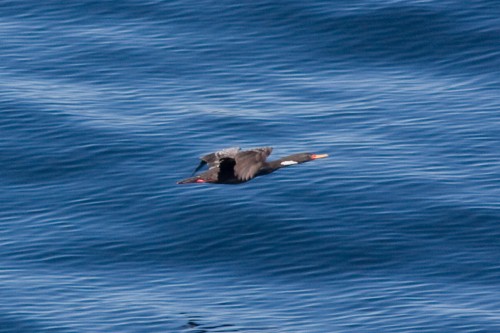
{"type": "Point", "coordinates": [104, 105]}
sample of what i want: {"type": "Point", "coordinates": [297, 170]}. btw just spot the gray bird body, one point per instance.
{"type": "Point", "coordinates": [234, 166]}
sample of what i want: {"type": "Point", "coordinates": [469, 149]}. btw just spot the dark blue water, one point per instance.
{"type": "Point", "coordinates": [104, 105]}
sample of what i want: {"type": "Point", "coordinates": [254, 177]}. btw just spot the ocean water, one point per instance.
{"type": "Point", "coordinates": [104, 105]}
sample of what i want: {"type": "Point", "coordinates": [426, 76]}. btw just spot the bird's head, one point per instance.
{"type": "Point", "coordinates": [301, 158]}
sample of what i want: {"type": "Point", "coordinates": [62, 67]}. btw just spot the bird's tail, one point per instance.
{"type": "Point", "coordinates": [195, 179]}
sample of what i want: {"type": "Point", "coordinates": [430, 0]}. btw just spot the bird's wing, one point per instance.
{"type": "Point", "coordinates": [249, 162]}
{"type": "Point", "coordinates": [225, 169]}
{"type": "Point", "coordinates": [213, 159]}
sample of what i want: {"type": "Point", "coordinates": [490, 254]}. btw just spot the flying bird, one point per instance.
{"type": "Point", "coordinates": [234, 166]}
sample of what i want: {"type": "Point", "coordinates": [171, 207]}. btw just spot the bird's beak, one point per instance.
{"type": "Point", "coordinates": [316, 156]}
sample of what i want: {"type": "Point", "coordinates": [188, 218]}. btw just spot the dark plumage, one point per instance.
{"type": "Point", "coordinates": [234, 166]}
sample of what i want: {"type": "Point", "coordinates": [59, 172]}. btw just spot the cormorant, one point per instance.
{"type": "Point", "coordinates": [234, 166]}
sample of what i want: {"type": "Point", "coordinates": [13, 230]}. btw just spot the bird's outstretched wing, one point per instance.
{"type": "Point", "coordinates": [249, 162]}
{"type": "Point", "coordinates": [213, 159]}
{"type": "Point", "coordinates": [226, 169]}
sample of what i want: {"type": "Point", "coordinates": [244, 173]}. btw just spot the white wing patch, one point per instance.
{"type": "Point", "coordinates": [285, 163]}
